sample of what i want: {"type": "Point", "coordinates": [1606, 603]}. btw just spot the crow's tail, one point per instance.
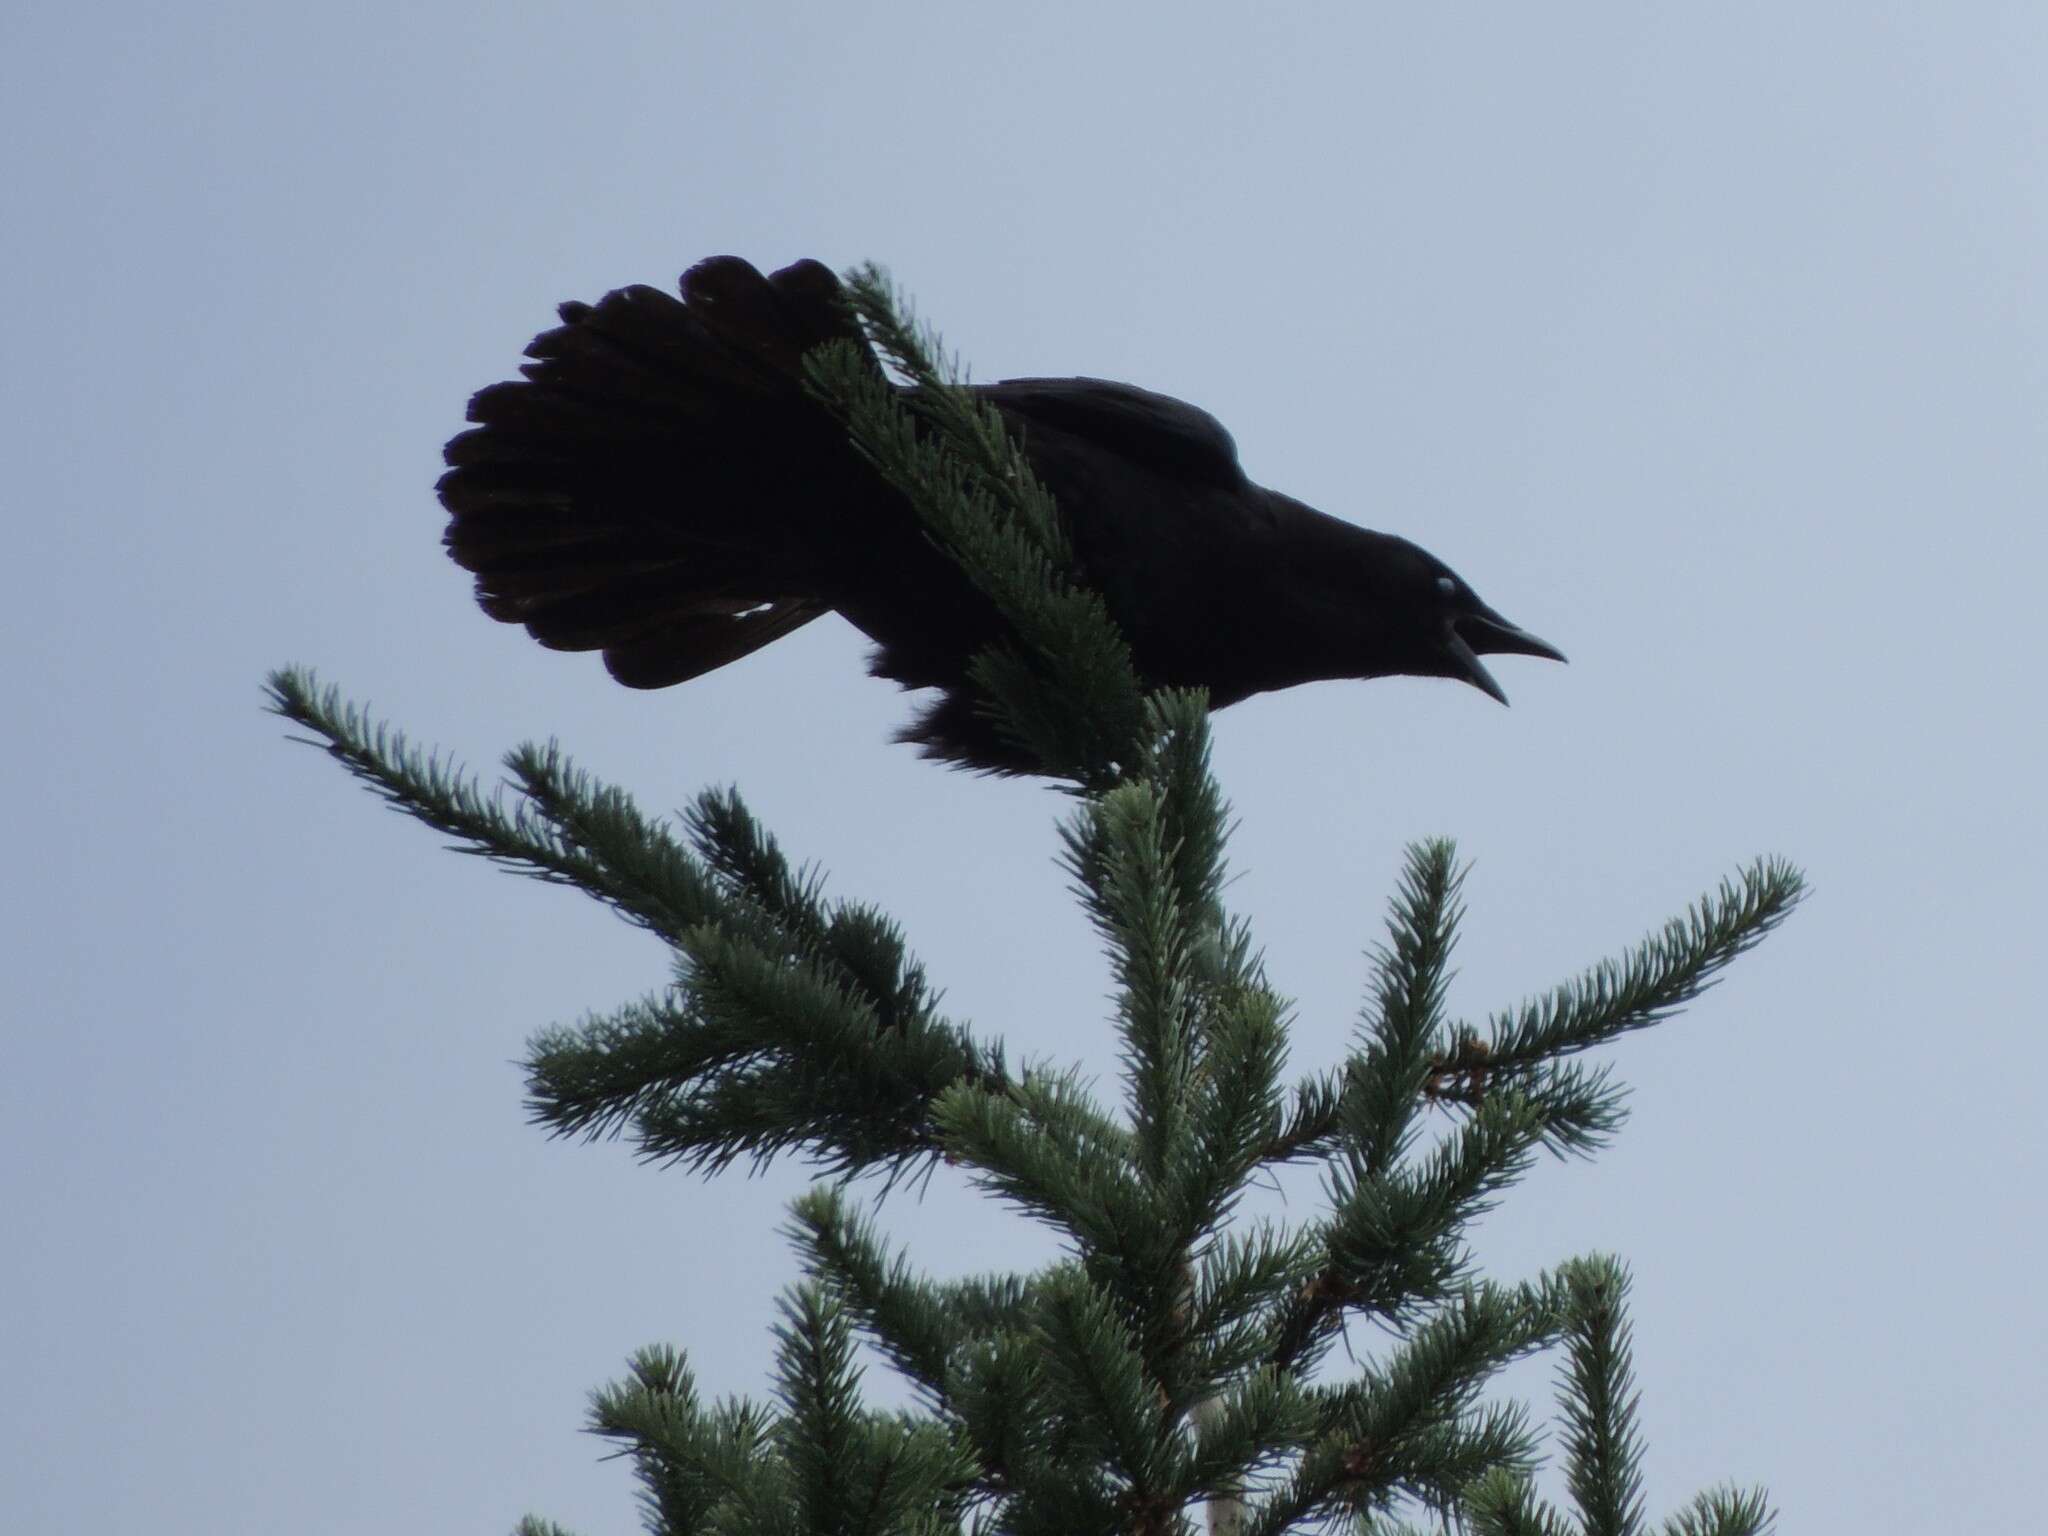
{"type": "Point", "coordinates": [659, 487]}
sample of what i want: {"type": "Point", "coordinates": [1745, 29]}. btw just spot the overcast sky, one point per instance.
{"type": "Point", "coordinates": [1710, 342]}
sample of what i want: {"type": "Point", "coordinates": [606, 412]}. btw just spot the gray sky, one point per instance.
{"type": "Point", "coordinates": [1706, 341]}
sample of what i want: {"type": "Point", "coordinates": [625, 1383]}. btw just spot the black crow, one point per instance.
{"type": "Point", "coordinates": [660, 487]}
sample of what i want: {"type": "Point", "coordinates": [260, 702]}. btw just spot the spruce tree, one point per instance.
{"type": "Point", "coordinates": [1182, 1362]}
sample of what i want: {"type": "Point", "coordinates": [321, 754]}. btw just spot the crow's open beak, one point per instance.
{"type": "Point", "coordinates": [1485, 632]}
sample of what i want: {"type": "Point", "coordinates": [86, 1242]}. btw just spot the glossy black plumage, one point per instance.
{"type": "Point", "coordinates": [660, 488]}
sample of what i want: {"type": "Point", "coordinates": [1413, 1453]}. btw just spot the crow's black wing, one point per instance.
{"type": "Point", "coordinates": [1166, 436]}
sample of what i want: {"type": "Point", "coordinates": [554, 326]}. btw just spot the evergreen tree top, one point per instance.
{"type": "Point", "coordinates": [1181, 1356]}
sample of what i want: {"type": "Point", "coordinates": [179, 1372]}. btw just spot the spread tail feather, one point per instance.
{"type": "Point", "coordinates": [655, 486]}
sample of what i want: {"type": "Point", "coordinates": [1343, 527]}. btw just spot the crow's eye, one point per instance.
{"type": "Point", "coordinates": [1447, 586]}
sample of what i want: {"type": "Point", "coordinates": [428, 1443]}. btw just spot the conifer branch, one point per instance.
{"type": "Point", "coordinates": [819, 1388]}
{"type": "Point", "coordinates": [1724, 1512]}
{"type": "Point", "coordinates": [1403, 1427]}
{"type": "Point", "coordinates": [434, 791]}
{"type": "Point", "coordinates": [1604, 1451]}
{"type": "Point", "coordinates": [647, 874]}
{"type": "Point", "coordinates": [1411, 976]}
{"type": "Point", "coordinates": [855, 943]}
{"type": "Point", "coordinates": [816, 1071]}
{"type": "Point", "coordinates": [1096, 1200]}
{"type": "Point", "coordinates": [1097, 1372]}
{"type": "Point", "coordinates": [1242, 1288]}
{"type": "Point", "coordinates": [905, 1318]}
{"type": "Point", "coordinates": [1312, 1119]}
{"type": "Point", "coordinates": [599, 1077]}
{"type": "Point", "coordinates": [697, 1469]}
{"type": "Point", "coordinates": [1455, 1455]}
{"type": "Point", "coordinates": [1237, 1109]}
{"type": "Point", "coordinates": [997, 1390]}
{"type": "Point", "coordinates": [745, 856]}
{"type": "Point", "coordinates": [1504, 1503]}
{"type": "Point", "coordinates": [970, 429]}
{"type": "Point", "coordinates": [1577, 1108]}
{"type": "Point", "coordinates": [797, 1025]}
{"type": "Point", "coordinates": [1666, 971]}
{"type": "Point", "coordinates": [1395, 1239]}
{"type": "Point", "coordinates": [1130, 893]}
{"type": "Point", "coordinates": [1409, 1062]}
{"type": "Point", "coordinates": [1195, 818]}
{"type": "Point", "coordinates": [733, 1066]}
{"type": "Point", "coordinates": [1064, 689]}
{"type": "Point", "coordinates": [987, 1305]}
{"type": "Point", "coordinates": [1257, 1428]}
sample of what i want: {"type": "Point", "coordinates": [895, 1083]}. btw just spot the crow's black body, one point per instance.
{"type": "Point", "coordinates": [661, 488]}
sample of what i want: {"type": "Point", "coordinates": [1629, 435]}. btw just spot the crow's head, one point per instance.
{"type": "Point", "coordinates": [1384, 607]}
{"type": "Point", "coordinates": [1448, 627]}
